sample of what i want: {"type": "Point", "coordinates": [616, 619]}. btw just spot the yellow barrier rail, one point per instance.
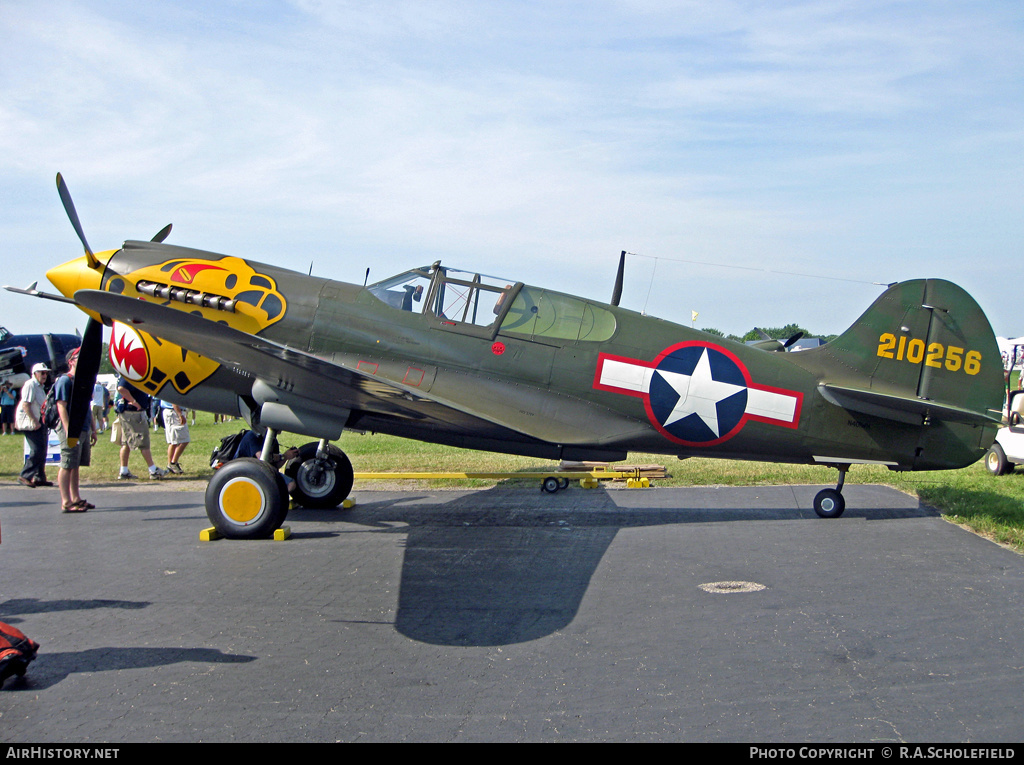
{"type": "Point", "coordinates": [551, 480]}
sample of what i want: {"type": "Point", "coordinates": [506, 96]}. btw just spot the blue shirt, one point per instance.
{"type": "Point", "coordinates": [63, 388]}
{"type": "Point", "coordinates": [141, 397]}
{"type": "Point", "coordinates": [250, 445]}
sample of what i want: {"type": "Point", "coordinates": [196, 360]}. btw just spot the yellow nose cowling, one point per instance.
{"type": "Point", "coordinates": [76, 275]}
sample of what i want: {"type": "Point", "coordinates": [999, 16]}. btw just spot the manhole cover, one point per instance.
{"type": "Point", "coordinates": [728, 587]}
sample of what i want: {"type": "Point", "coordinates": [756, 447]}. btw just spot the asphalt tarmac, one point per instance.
{"type": "Point", "coordinates": [512, 615]}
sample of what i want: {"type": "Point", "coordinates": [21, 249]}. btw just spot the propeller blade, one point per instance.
{"type": "Point", "coordinates": [617, 290]}
{"type": "Point", "coordinates": [89, 358]}
{"type": "Point", "coordinates": [162, 233]}
{"type": "Point", "coordinates": [69, 208]}
{"type": "Point", "coordinates": [793, 339]}
{"type": "Point", "coordinates": [769, 343]}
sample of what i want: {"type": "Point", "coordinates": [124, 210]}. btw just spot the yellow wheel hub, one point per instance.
{"type": "Point", "coordinates": [242, 501]}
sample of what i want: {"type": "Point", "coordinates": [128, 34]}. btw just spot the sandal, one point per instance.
{"type": "Point", "coordinates": [85, 505]}
{"type": "Point", "coordinates": [73, 507]}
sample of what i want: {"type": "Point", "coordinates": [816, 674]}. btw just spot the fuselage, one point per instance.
{"type": "Point", "coordinates": [550, 374]}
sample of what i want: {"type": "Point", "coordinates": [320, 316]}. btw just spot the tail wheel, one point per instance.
{"type": "Point", "coordinates": [247, 499]}
{"type": "Point", "coordinates": [320, 483]}
{"type": "Point", "coordinates": [829, 503]}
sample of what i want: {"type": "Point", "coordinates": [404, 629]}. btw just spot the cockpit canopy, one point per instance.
{"type": "Point", "coordinates": [456, 295]}
{"type": "Point", "coordinates": [462, 300]}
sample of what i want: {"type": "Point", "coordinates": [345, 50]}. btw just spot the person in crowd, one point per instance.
{"type": "Point", "coordinates": [29, 420]}
{"type": "Point", "coordinates": [251, 445]}
{"type": "Point", "coordinates": [8, 402]}
{"type": "Point", "coordinates": [133, 409]}
{"type": "Point", "coordinates": [176, 431]}
{"type": "Point", "coordinates": [155, 413]}
{"type": "Point", "coordinates": [100, 397]}
{"type": "Point", "coordinates": [72, 457]}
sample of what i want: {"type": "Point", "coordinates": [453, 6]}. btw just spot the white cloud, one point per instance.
{"type": "Point", "coordinates": [827, 136]}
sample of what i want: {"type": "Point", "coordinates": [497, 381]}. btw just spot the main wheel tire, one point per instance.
{"type": "Point", "coordinates": [996, 461]}
{"type": "Point", "coordinates": [320, 484]}
{"type": "Point", "coordinates": [829, 503]}
{"type": "Point", "coordinates": [247, 499]}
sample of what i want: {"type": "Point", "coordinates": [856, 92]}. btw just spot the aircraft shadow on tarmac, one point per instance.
{"type": "Point", "coordinates": [36, 606]}
{"type": "Point", "coordinates": [503, 566]}
{"type": "Point", "coordinates": [61, 664]}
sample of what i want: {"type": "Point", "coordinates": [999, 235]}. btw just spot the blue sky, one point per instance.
{"type": "Point", "coordinates": [730, 145]}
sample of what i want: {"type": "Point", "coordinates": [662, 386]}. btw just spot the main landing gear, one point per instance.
{"type": "Point", "coordinates": [829, 503]}
{"type": "Point", "coordinates": [322, 475]}
{"type": "Point", "coordinates": [248, 498]}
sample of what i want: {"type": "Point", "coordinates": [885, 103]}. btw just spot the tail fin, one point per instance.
{"type": "Point", "coordinates": [923, 351]}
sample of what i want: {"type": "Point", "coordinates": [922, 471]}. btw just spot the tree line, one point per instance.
{"type": "Point", "coordinates": [775, 333]}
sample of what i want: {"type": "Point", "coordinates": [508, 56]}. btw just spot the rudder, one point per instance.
{"type": "Point", "coordinates": [924, 340]}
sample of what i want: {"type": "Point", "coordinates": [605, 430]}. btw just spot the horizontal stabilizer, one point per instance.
{"type": "Point", "coordinates": [903, 409]}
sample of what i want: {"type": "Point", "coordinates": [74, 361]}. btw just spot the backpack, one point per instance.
{"type": "Point", "coordinates": [49, 415]}
{"type": "Point", "coordinates": [16, 651]}
{"type": "Point", "coordinates": [226, 451]}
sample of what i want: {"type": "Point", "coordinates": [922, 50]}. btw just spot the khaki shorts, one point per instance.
{"type": "Point", "coordinates": [175, 428]}
{"type": "Point", "coordinates": [80, 455]}
{"type": "Point", "coordinates": [134, 430]}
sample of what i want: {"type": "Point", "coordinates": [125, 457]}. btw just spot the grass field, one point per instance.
{"type": "Point", "coordinates": [991, 506]}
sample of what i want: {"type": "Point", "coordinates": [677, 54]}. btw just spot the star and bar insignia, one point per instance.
{"type": "Point", "coordinates": [698, 393]}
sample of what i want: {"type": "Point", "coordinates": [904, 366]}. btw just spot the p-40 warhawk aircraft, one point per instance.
{"type": "Point", "coordinates": [460, 358]}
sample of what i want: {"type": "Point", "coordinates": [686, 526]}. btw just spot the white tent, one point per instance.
{"type": "Point", "coordinates": [1012, 350]}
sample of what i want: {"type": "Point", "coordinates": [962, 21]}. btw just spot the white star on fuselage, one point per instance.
{"type": "Point", "coordinates": [698, 394]}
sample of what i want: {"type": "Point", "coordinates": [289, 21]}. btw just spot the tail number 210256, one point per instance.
{"type": "Point", "coordinates": [937, 355]}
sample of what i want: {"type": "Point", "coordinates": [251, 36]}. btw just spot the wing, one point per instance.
{"type": "Point", "coordinates": [373, 401]}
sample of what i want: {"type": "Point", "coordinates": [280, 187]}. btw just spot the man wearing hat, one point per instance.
{"type": "Point", "coordinates": [28, 419]}
{"type": "Point", "coordinates": [72, 457]}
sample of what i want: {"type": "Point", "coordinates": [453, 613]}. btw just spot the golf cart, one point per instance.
{"type": "Point", "coordinates": [1008, 449]}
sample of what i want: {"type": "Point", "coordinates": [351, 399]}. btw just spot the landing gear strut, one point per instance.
{"type": "Point", "coordinates": [829, 503]}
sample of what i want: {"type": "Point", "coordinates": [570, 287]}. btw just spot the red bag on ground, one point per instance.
{"type": "Point", "coordinates": [16, 651]}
